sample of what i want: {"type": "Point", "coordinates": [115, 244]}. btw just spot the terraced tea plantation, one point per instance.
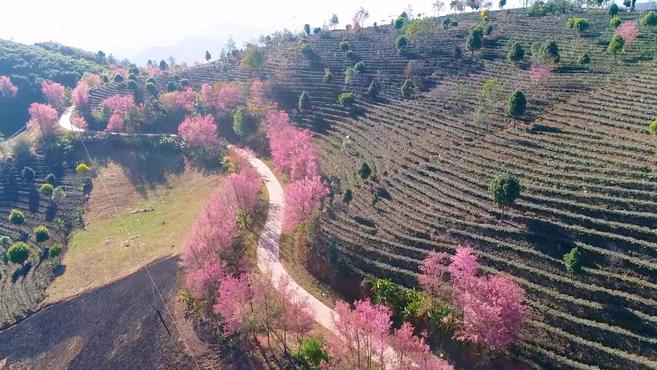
{"type": "Point", "coordinates": [582, 152]}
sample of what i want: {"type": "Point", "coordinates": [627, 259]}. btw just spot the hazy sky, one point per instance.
{"type": "Point", "coordinates": [125, 27]}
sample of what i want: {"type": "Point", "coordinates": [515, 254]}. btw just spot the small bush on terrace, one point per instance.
{"type": "Point", "coordinates": [401, 43]}
{"type": "Point", "coordinates": [56, 250]}
{"type": "Point", "coordinates": [118, 78]}
{"type": "Point", "coordinates": [408, 89]}
{"type": "Point", "coordinates": [132, 85]}
{"type": "Point", "coordinates": [344, 46]}
{"type": "Point", "coordinates": [311, 354]}
{"type": "Point", "coordinates": [650, 19]}
{"type": "Point", "coordinates": [18, 252]}
{"type": "Point", "coordinates": [28, 174]}
{"type": "Point", "coordinates": [516, 52]}
{"type": "Point", "coordinates": [5, 240]}
{"type": "Point", "coordinates": [86, 185]}
{"type": "Point", "coordinates": [614, 22]}
{"type": "Point", "coordinates": [547, 52]}
{"type": "Point", "coordinates": [347, 99]}
{"type": "Point", "coordinates": [653, 127]}
{"type": "Point", "coordinates": [171, 86]}
{"type": "Point", "coordinates": [351, 55]}
{"type": "Point", "coordinates": [573, 260]}
{"type": "Point", "coordinates": [82, 169]}
{"type": "Point", "coordinates": [616, 45]}
{"type": "Point", "coordinates": [505, 189]}
{"type": "Point", "coordinates": [359, 67]}
{"type": "Point", "coordinates": [373, 89]}
{"type": "Point", "coordinates": [47, 189]}
{"type": "Point", "coordinates": [16, 217]}
{"type": "Point", "coordinates": [50, 179]}
{"type": "Point", "coordinates": [516, 104]}
{"type": "Point", "coordinates": [254, 58]}
{"type": "Point", "coordinates": [348, 196]}
{"type": "Point", "coordinates": [475, 38]}
{"type": "Point", "coordinates": [578, 24]}
{"type": "Point", "coordinates": [41, 234]}
{"type": "Point", "coordinates": [401, 21]}
{"type": "Point", "coordinates": [150, 87]}
{"type": "Point", "coordinates": [365, 171]}
{"type": "Point", "coordinates": [585, 59]}
{"type": "Point", "coordinates": [613, 9]}
{"type": "Point", "coordinates": [21, 151]}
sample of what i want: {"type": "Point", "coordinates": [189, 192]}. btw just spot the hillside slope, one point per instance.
{"type": "Point", "coordinates": [28, 65]}
{"type": "Point", "coordinates": [582, 153]}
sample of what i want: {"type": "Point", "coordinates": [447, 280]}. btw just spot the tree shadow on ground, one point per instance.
{"type": "Point", "coordinates": [114, 326]}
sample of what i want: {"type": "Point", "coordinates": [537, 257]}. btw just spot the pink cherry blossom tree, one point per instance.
{"type": "Point", "coordinates": [463, 267]}
{"type": "Point", "coordinates": [413, 353]}
{"type": "Point", "coordinates": [233, 303]}
{"type": "Point", "coordinates": [259, 90]}
{"type": "Point", "coordinates": [493, 312]}
{"type": "Point", "coordinates": [54, 94]}
{"type": "Point", "coordinates": [244, 185]}
{"type": "Point", "coordinates": [43, 118]}
{"type": "Point", "coordinates": [629, 31]}
{"type": "Point", "coordinates": [80, 96]}
{"type": "Point", "coordinates": [79, 122]}
{"type": "Point", "coordinates": [118, 108]}
{"type": "Point", "coordinates": [364, 333]}
{"type": "Point", "coordinates": [200, 131]}
{"type": "Point", "coordinates": [229, 97]}
{"type": "Point", "coordinates": [434, 275]}
{"type": "Point", "coordinates": [92, 80]}
{"type": "Point", "coordinates": [116, 123]}
{"type": "Point", "coordinates": [7, 88]}
{"type": "Point", "coordinates": [292, 150]}
{"type": "Point", "coordinates": [539, 72]}
{"type": "Point", "coordinates": [302, 200]}
{"type": "Point", "coordinates": [296, 315]}
{"type": "Point", "coordinates": [204, 279]}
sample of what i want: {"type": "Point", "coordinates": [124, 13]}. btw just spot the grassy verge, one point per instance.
{"type": "Point", "coordinates": [112, 247]}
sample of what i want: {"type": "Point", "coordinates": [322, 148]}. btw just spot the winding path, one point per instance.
{"type": "Point", "coordinates": [268, 252]}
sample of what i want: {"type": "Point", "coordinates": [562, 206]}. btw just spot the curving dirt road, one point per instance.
{"type": "Point", "coordinates": [268, 253]}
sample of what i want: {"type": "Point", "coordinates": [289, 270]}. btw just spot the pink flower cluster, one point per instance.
{"type": "Point", "coordinates": [292, 149]}
{"type": "Point", "coordinates": [540, 71]}
{"type": "Point", "coordinates": [302, 200]}
{"type": "Point", "coordinates": [43, 117]}
{"type": "Point", "coordinates": [225, 97]}
{"type": "Point", "coordinates": [628, 30]}
{"type": "Point", "coordinates": [80, 95]}
{"type": "Point", "coordinates": [53, 93]}
{"type": "Point", "coordinates": [118, 106]}
{"type": "Point", "coordinates": [178, 100]}
{"type": "Point", "coordinates": [492, 307]}
{"type": "Point", "coordinates": [366, 338]}
{"type": "Point", "coordinates": [199, 131]}
{"type": "Point", "coordinates": [7, 88]}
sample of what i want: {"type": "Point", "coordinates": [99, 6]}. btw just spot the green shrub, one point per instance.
{"type": "Point", "coordinates": [578, 24]}
{"type": "Point", "coordinates": [349, 75]}
{"type": "Point", "coordinates": [475, 38]}
{"type": "Point", "coordinates": [446, 23]}
{"type": "Point", "coordinates": [516, 52]}
{"type": "Point", "coordinates": [254, 58]}
{"type": "Point", "coordinates": [58, 194]}
{"type": "Point", "coordinates": [347, 196]}
{"type": "Point", "coordinates": [118, 78]}
{"type": "Point", "coordinates": [317, 30]}
{"type": "Point", "coordinates": [239, 122]}
{"type": "Point", "coordinates": [46, 189]}
{"type": "Point", "coordinates": [548, 52]}
{"type": "Point", "coordinates": [151, 88]}
{"type": "Point", "coordinates": [18, 252]}
{"type": "Point", "coordinates": [86, 185]}
{"type": "Point", "coordinates": [408, 89]}
{"type": "Point", "coordinates": [82, 169]}
{"type": "Point", "coordinates": [365, 171]}
{"type": "Point", "coordinates": [16, 217]}
{"type": "Point", "coordinates": [41, 234]}
{"type": "Point", "coordinates": [616, 45]}
{"type": "Point", "coordinates": [28, 174]}
{"type": "Point", "coordinates": [55, 250]}
{"type": "Point", "coordinates": [573, 260]}
{"type": "Point", "coordinates": [132, 77]}
{"type": "Point", "coordinates": [50, 179]}
{"type": "Point", "coordinates": [614, 22]}
{"type": "Point", "coordinates": [373, 89]}
{"type": "Point", "coordinates": [505, 189]}
{"type": "Point", "coordinates": [306, 29]}
{"type": "Point", "coordinates": [347, 99]}
{"type": "Point", "coordinates": [105, 79]}
{"type": "Point", "coordinates": [613, 9]}
{"type": "Point", "coordinates": [401, 21]}
{"type": "Point", "coordinates": [304, 102]}
{"type": "Point", "coordinates": [457, 53]}
{"type": "Point", "coordinates": [132, 85]}
{"type": "Point", "coordinates": [653, 127]}
{"type": "Point", "coordinates": [585, 59]}
{"type": "Point", "coordinates": [171, 86]}
{"type": "Point", "coordinates": [151, 80]}
{"type": "Point", "coordinates": [650, 19]}
{"type": "Point", "coordinates": [516, 104]}
{"type": "Point", "coordinates": [310, 354]}
{"type": "Point", "coordinates": [344, 46]}
{"type": "Point", "coordinates": [402, 42]}
{"type": "Point", "coordinates": [351, 55]}
{"type": "Point", "coordinates": [359, 67]}
{"type": "Point", "coordinates": [134, 70]}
